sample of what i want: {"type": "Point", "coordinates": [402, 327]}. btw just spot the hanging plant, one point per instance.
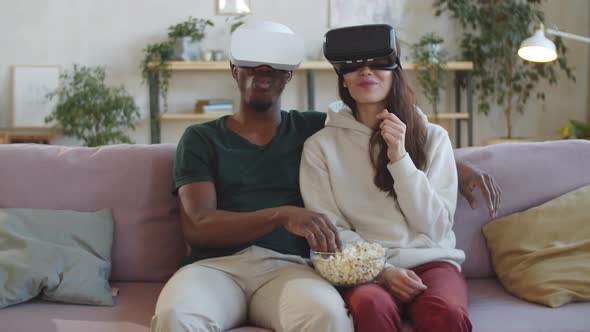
{"type": "Point", "coordinates": [153, 67]}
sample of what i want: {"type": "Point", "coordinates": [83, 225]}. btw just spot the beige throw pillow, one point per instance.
{"type": "Point", "coordinates": [543, 254]}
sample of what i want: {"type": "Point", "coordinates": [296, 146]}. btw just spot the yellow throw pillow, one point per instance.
{"type": "Point", "coordinates": [543, 254]}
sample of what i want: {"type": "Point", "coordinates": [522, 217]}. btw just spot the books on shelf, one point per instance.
{"type": "Point", "coordinates": [217, 108]}
{"type": "Point", "coordinates": [213, 105]}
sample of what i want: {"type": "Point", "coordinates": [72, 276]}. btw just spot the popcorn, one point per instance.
{"type": "Point", "coordinates": [357, 264]}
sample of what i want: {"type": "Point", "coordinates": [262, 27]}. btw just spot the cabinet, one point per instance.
{"type": "Point", "coordinates": [462, 77]}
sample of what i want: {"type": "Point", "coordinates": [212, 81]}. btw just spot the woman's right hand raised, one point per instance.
{"type": "Point", "coordinates": [316, 228]}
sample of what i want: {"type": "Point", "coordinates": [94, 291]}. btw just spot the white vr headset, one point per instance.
{"type": "Point", "coordinates": [266, 43]}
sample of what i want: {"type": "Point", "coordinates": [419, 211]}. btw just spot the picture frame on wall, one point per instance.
{"type": "Point", "coordinates": [30, 86]}
{"type": "Point", "coordinates": [347, 13]}
{"type": "Point", "coordinates": [233, 7]}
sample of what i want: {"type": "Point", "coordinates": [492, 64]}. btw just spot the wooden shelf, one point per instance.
{"type": "Point", "coordinates": [194, 116]}
{"type": "Point", "coordinates": [462, 72]}
{"type": "Point", "coordinates": [306, 65]}
{"type": "Point", "coordinates": [27, 135]}
{"type": "Point", "coordinates": [449, 116]}
{"type": "Point", "coordinates": [217, 115]}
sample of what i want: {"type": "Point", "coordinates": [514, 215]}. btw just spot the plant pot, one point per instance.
{"type": "Point", "coordinates": [508, 140]}
{"type": "Point", "coordinates": [434, 53]}
{"type": "Point", "coordinates": [187, 49]}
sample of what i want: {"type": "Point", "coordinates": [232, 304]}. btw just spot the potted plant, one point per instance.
{"type": "Point", "coordinates": [576, 130]}
{"type": "Point", "coordinates": [429, 56]}
{"type": "Point", "coordinates": [187, 38]}
{"type": "Point", "coordinates": [91, 111]}
{"type": "Point", "coordinates": [493, 32]}
{"type": "Point", "coordinates": [235, 22]}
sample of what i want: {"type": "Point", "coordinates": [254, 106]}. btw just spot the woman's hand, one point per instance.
{"type": "Point", "coordinates": [403, 284]}
{"type": "Point", "coordinates": [393, 131]}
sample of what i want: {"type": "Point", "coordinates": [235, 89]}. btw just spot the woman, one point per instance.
{"type": "Point", "coordinates": [383, 174]}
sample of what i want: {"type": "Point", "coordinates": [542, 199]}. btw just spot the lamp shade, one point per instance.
{"type": "Point", "coordinates": [537, 48]}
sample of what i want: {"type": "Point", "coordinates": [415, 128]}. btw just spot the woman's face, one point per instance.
{"type": "Point", "coordinates": [367, 85]}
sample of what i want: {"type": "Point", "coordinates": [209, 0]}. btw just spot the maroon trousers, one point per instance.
{"type": "Point", "coordinates": [441, 307]}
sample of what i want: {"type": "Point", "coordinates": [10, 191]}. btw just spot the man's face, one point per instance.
{"type": "Point", "coordinates": [261, 86]}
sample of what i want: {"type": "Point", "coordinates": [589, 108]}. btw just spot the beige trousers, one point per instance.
{"type": "Point", "coordinates": [255, 286]}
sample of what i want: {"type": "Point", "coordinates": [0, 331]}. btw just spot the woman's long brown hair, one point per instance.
{"type": "Point", "coordinates": [400, 101]}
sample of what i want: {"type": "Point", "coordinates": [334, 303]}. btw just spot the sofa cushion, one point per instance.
{"type": "Point", "coordinates": [132, 312]}
{"type": "Point", "coordinates": [543, 254]}
{"type": "Point", "coordinates": [63, 256]}
{"type": "Point", "coordinates": [134, 307]}
{"type": "Point", "coordinates": [492, 309]}
{"type": "Point", "coordinates": [529, 174]}
{"type": "Point", "coordinates": [132, 180]}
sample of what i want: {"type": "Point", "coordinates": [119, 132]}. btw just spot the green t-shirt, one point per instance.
{"type": "Point", "coordinates": [248, 177]}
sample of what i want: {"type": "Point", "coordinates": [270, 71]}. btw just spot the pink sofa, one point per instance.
{"type": "Point", "coordinates": [135, 181]}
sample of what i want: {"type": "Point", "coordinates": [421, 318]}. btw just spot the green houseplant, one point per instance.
{"type": "Point", "coordinates": [429, 57]}
{"type": "Point", "coordinates": [187, 37]}
{"type": "Point", "coordinates": [153, 67]}
{"type": "Point", "coordinates": [235, 22]}
{"type": "Point", "coordinates": [576, 130]}
{"type": "Point", "coordinates": [91, 111]}
{"type": "Point", "coordinates": [493, 31]}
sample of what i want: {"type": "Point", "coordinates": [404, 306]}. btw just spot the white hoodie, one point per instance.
{"type": "Point", "coordinates": [336, 179]}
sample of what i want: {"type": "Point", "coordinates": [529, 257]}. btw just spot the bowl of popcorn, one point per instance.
{"type": "Point", "coordinates": [355, 265]}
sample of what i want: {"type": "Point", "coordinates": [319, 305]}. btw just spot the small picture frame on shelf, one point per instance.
{"type": "Point", "coordinates": [233, 7]}
{"type": "Point", "coordinates": [30, 86]}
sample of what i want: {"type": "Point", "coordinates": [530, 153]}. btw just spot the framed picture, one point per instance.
{"type": "Point", "coordinates": [30, 86]}
{"type": "Point", "coordinates": [233, 7]}
{"type": "Point", "coordinates": [356, 12]}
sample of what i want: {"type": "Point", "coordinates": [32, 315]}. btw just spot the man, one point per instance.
{"type": "Point", "coordinates": [241, 210]}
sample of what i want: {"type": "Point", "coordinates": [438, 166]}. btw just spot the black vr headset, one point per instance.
{"type": "Point", "coordinates": [350, 48]}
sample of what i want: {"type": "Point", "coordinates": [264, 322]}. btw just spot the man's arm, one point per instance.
{"type": "Point", "coordinates": [205, 226]}
{"type": "Point", "coordinates": [471, 177]}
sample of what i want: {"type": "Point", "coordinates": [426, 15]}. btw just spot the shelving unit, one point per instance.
{"type": "Point", "coordinates": [216, 115]}
{"type": "Point", "coordinates": [307, 65]}
{"type": "Point", "coordinates": [193, 116]}
{"type": "Point", "coordinates": [27, 135]}
{"type": "Point", "coordinates": [462, 71]}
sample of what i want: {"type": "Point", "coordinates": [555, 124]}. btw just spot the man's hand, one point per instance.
{"type": "Point", "coordinates": [319, 232]}
{"type": "Point", "coordinates": [402, 284]}
{"type": "Point", "coordinates": [471, 177]}
{"type": "Point", "coordinates": [393, 131]}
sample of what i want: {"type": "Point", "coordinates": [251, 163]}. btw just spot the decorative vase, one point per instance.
{"type": "Point", "coordinates": [434, 53]}
{"type": "Point", "coordinates": [187, 49]}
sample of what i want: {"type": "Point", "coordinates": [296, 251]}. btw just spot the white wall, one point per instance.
{"type": "Point", "coordinates": [113, 33]}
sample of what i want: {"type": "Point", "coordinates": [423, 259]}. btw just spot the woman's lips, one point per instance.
{"type": "Point", "coordinates": [366, 84]}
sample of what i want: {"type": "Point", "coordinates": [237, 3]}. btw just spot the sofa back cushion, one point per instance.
{"type": "Point", "coordinates": [528, 174]}
{"type": "Point", "coordinates": [134, 181]}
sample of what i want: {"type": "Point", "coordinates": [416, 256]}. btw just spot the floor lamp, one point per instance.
{"type": "Point", "coordinates": [538, 48]}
